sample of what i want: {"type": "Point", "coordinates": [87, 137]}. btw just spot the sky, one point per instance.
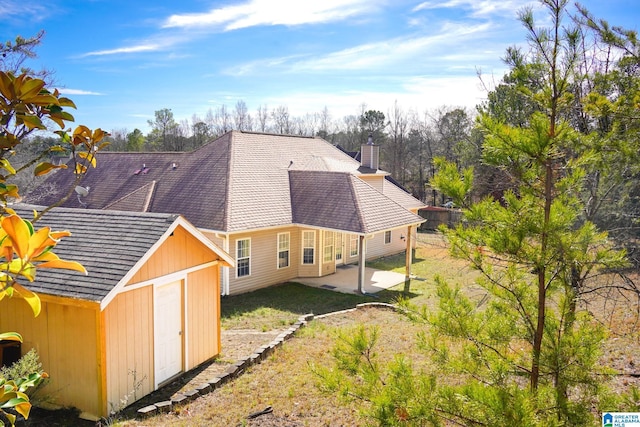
{"type": "Point", "coordinates": [120, 61]}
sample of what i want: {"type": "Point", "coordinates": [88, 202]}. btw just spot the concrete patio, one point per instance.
{"type": "Point", "coordinates": [345, 279]}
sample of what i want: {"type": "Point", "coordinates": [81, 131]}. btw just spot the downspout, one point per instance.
{"type": "Point", "coordinates": [361, 258]}
{"type": "Point", "coordinates": [408, 260]}
{"type": "Point", "coordinates": [224, 270]}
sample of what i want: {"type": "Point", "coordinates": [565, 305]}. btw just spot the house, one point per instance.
{"type": "Point", "coordinates": [148, 309]}
{"type": "Point", "coordinates": [285, 206]}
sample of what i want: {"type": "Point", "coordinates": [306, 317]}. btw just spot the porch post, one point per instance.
{"type": "Point", "coordinates": [408, 260]}
{"type": "Point", "coordinates": [361, 258]}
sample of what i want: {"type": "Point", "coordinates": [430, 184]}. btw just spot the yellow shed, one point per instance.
{"type": "Point", "coordinates": [147, 311]}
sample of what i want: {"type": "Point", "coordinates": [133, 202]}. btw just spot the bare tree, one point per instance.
{"type": "Point", "coordinates": [241, 116]}
{"type": "Point", "coordinates": [281, 119]}
{"type": "Point", "coordinates": [263, 118]}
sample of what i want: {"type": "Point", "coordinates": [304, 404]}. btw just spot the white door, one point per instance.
{"type": "Point", "coordinates": [168, 331]}
{"type": "Point", "coordinates": [339, 242]}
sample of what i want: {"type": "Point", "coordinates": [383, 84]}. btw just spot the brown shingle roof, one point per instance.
{"type": "Point", "coordinates": [238, 182]}
{"type": "Point", "coordinates": [341, 201]}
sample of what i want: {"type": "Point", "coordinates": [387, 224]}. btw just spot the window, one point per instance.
{"type": "Point", "coordinates": [353, 245]}
{"type": "Point", "coordinates": [338, 244]}
{"type": "Point", "coordinates": [308, 247]}
{"type": "Point", "coordinates": [283, 250]}
{"type": "Point", "coordinates": [243, 257]}
{"type": "Point", "coordinates": [387, 237]}
{"type": "Point", "coordinates": [328, 246]}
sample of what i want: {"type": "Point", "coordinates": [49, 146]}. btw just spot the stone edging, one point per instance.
{"type": "Point", "coordinates": [241, 365]}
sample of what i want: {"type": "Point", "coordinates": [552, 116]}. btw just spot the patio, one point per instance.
{"type": "Point", "coordinates": [345, 280]}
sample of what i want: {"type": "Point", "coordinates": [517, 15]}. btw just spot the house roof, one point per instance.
{"type": "Point", "coordinates": [357, 207]}
{"type": "Point", "coordinates": [236, 183]}
{"type": "Point", "coordinates": [108, 244]}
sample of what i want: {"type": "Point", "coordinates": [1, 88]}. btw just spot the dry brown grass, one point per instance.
{"type": "Point", "coordinates": [286, 383]}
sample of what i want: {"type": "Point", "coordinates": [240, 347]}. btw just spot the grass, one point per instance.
{"type": "Point", "coordinates": [279, 306]}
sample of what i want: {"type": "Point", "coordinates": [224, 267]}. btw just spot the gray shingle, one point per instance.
{"type": "Point", "coordinates": [107, 243]}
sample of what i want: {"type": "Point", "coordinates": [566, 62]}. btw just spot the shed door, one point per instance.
{"type": "Point", "coordinates": [168, 331]}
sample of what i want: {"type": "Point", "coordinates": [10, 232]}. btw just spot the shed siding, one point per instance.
{"type": "Point", "coordinates": [178, 252]}
{"type": "Point", "coordinates": [128, 321]}
{"type": "Point", "coordinates": [68, 356]}
{"type": "Point", "coordinates": [264, 260]}
{"type": "Point", "coordinates": [203, 317]}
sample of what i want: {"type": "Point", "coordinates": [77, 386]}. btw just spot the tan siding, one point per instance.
{"type": "Point", "coordinates": [308, 270]}
{"type": "Point", "coordinates": [376, 247]}
{"type": "Point", "coordinates": [178, 252]}
{"type": "Point", "coordinates": [264, 260]}
{"type": "Point", "coordinates": [69, 358]}
{"type": "Point", "coordinates": [203, 300]}
{"type": "Point", "coordinates": [219, 241]}
{"type": "Point", "coordinates": [376, 181]}
{"type": "Point", "coordinates": [129, 345]}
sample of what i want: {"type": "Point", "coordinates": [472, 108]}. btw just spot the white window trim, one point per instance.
{"type": "Point", "coordinates": [328, 235]}
{"type": "Point", "coordinates": [237, 259]}
{"type": "Point", "coordinates": [390, 237]}
{"type": "Point", "coordinates": [312, 247]}
{"type": "Point", "coordinates": [353, 239]}
{"type": "Point", "coordinates": [278, 250]}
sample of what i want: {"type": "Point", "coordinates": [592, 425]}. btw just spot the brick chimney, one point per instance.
{"type": "Point", "coordinates": [370, 154]}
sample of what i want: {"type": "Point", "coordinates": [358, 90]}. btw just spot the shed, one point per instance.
{"type": "Point", "coordinates": [148, 309]}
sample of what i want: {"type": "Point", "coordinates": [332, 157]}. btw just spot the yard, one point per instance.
{"type": "Point", "coordinates": [285, 381]}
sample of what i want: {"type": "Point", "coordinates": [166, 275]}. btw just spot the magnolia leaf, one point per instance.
{"type": "Point", "coordinates": [44, 168]}
{"type": "Point", "coordinates": [23, 409]}
{"type": "Point", "coordinates": [60, 263]}
{"type": "Point", "coordinates": [6, 165]}
{"type": "Point", "coordinates": [31, 88]}
{"type": "Point", "coordinates": [32, 299]}
{"type": "Point", "coordinates": [10, 336]}
{"type": "Point", "coordinates": [80, 169]}
{"type": "Point", "coordinates": [31, 122]}
{"type": "Point", "coordinates": [88, 156]}
{"type": "Point", "coordinates": [19, 233]}
{"type": "Point", "coordinates": [40, 241]}
{"type": "Point", "coordinates": [66, 102]}
{"type": "Point", "coordinates": [57, 235]}
{"type": "Point", "coordinates": [64, 136]}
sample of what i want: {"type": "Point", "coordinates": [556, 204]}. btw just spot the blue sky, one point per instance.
{"type": "Point", "coordinates": [122, 60]}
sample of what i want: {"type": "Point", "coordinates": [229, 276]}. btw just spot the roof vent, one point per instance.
{"type": "Point", "coordinates": [144, 170]}
{"type": "Point", "coordinates": [174, 166]}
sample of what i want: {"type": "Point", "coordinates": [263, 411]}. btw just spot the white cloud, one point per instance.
{"type": "Point", "coordinates": [67, 91]}
{"type": "Point", "coordinates": [273, 12]}
{"type": "Point", "coordinates": [419, 94]}
{"type": "Point", "coordinates": [478, 8]}
{"type": "Point", "coordinates": [130, 49]}
{"type": "Point", "coordinates": [392, 54]}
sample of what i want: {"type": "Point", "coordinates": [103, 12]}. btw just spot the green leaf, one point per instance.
{"type": "Point", "coordinates": [10, 336]}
